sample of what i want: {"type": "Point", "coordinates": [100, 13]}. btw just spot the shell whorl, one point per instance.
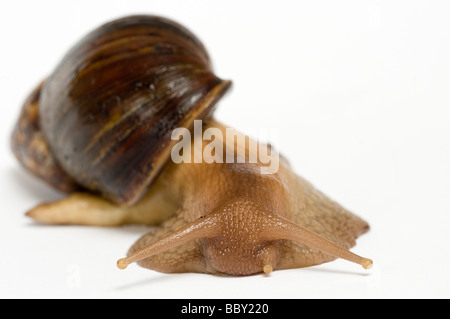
{"type": "Point", "coordinates": [108, 109]}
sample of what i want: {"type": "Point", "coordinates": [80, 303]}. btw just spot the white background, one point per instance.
{"type": "Point", "coordinates": [359, 92]}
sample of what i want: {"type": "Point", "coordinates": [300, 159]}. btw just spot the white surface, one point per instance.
{"type": "Point", "coordinates": [360, 94]}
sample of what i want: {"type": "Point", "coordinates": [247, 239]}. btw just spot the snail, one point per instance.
{"type": "Point", "coordinates": [100, 128]}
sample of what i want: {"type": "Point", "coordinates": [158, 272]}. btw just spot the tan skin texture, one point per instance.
{"type": "Point", "coordinates": [223, 218]}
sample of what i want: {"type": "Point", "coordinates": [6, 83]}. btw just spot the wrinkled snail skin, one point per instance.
{"type": "Point", "coordinates": [243, 210]}
{"type": "Point", "coordinates": [218, 218]}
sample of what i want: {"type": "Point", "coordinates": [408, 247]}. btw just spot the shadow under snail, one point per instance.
{"type": "Point", "coordinates": [100, 127]}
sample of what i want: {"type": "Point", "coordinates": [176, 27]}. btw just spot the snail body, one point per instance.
{"type": "Point", "coordinates": [213, 217]}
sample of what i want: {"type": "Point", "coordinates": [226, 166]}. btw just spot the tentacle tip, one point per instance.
{"type": "Point", "coordinates": [122, 263]}
{"type": "Point", "coordinates": [267, 269]}
{"type": "Point", "coordinates": [367, 263]}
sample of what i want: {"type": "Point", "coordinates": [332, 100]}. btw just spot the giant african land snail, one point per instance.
{"type": "Point", "coordinates": [99, 127]}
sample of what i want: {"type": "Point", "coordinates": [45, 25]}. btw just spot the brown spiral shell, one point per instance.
{"type": "Point", "coordinates": [108, 109]}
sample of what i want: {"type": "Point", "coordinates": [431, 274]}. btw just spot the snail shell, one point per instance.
{"type": "Point", "coordinates": [103, 118]}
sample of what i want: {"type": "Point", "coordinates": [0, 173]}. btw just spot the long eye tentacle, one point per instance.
{"type": "Point", "coordinates": [204, 227]}
{"type": "Point", "coordinates": [282, 228]}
